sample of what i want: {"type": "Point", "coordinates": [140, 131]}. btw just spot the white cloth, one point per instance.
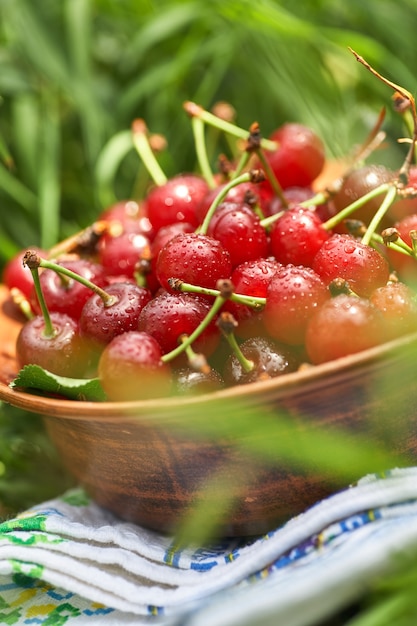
{"type": "Point", "coordinates": [70, 562]}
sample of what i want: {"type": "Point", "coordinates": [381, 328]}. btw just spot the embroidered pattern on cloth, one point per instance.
{"type": "Point", "coordinates": [67, 561]}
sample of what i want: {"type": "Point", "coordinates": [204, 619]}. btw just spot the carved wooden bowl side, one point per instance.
{"type": "Point", "coordinates": [148, 463]}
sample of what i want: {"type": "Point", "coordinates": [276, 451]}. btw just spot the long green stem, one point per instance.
{"type": "Point", "coordinates": [108, 299]}
{"type": "Point", "coordinates": [49, 330]}
{"type": "Point", "coordinates": [351, 208]}
{"type": "Point", "coordinates": [379, 214]}
{"type": "Point", "coordinates": [141, 143]}
{"type": "Point", "coordinates": [194, 110]}
{"type": "Point", "coordinates": [254, 302]}
{"type": "Point", "coordinates": [243, 178]}
{"type": "Point", "coordinates": [247, 364]}
{"type": "Point", "coordinates": [217, 305]}
{"type": "Point", "coordinates": [201, 150]}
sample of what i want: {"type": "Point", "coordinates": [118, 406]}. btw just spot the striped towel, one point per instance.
{"type": "Point", "coordinates": [67, 561]}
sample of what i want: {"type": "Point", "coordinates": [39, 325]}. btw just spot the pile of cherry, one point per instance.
{"type": "Point", "coordinates": [216, 281]}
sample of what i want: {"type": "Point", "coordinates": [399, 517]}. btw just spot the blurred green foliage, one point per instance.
{"type": "Point", "coordinates": [74, 74]}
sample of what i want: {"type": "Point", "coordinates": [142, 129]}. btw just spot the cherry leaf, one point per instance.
{"type": "Point", "coordinates": [39, 380]}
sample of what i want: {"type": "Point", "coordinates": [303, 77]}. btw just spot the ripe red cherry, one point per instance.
{"type": "Point", "coordinates": [300, 156]}
{"type": "Point", "coordinates": [101, 323]}
{"type": "Point", "coordinates": [67, 295]}
{"type": "Point", "coordinates": [176, 200]}
{"type": "Point", "coordinates": [398, 305]}
{"type": "Point", "coordinates": [297, 236]}
{"type": "Point", "coordinates": [252, 279]}
{"type": "Point", "coordinates": [18, 276]}
{"type": "Point", "coordinates": [294, 293]}
{"type": "Point", "coordinates": [164, 234]}
{"type": "Point", "coordinates": [240, 232]}
{"type": "Point", "coordinates": [236, 194]}
{"type": "Point", "coordinates": [343, 325]}
{"type": "Point", "coordinates": [406, 205]}
{"type": "Point", "coordinates": [64, 353]}
{"type": "Point", "coordinates": [405, 265]}
{"type": "Point", "coordinates": [169, 315]}
{"type": "Point", "coordinates": [130, 216]}
{"type": "Point", "coordinates": [193, 258]}
{"type": "Point", "coordinates": [343, 256]}
{"type": "Point", "coordinates": [130, 368]}
{"type": "Point", "coordinates": [120, 255]}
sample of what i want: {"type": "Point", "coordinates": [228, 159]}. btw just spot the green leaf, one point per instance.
{"type": "Point", "coordinates": [36, 378]}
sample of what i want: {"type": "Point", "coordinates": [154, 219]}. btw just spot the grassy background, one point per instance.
{"type": "Point", "coordinates": [75, 73]}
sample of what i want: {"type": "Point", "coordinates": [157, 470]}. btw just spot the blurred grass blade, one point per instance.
{"type": "Point", "coordinates": [17, 190]}
{"type": "Point", "coordinates": [108, 163]}
{"type": "Point", "coordinates": [49, 188]}
{"type": "Point", "coordinates": [159, 27]}
{"type": "Point", "coordinates": [26, 122]}
{"type": "Point", "coordinates": [78, 18]}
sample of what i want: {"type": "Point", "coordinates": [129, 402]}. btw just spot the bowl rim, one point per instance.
{"type": "Point", "coordinates": [353, 365]}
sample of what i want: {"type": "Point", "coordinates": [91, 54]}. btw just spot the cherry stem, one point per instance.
{"type": "Point", "coordinates": [319, 198]}
{"type": "Point", "coordinates": [379, 214]}
{"type": "Point", "coordinates": [32, 260]}
{"type": "Point", "coordinates": [226, 323]}
{"type": "Point", "coordinates": [195, 110]}
{"type": "Point", "coordinates": [254, 302]}
{"type": "Point", "coordinates": [196, 360]}
{"type": "Point", "coordinates": [242, 163]}
{"type": "Point", "coordinates": [390, 237]}
{"type": "Point", "coordinates": [351, 208]}
{"type": "Point", "coordinates": [197, 125]}
{"type": "Point", "coordinates": [108, 300]}
{"type": "Point", "coordinates": [273, 181]}
{"type": "Point", "coordinates": [407, 96]}
{"type": "Point", "coordinates": [85, 239]}
{"type": "Point", "coordinates": [189, 339]}
{"type": "Point", "coordinates": [143, 148]}
{"type": "Point", "coordinates": [252, 176]}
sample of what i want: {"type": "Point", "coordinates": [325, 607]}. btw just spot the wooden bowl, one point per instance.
{"type": "Point", "coordinates": [149, 461]}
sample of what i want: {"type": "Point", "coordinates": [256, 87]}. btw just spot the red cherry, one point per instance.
{"type": "Point", "coordinates": [130, 368]}
{"type": "Point", "coordinates": [18, 276]}
{"type": "Point", "coordinates": [119, 255]}
{"type": "Point", "coordinates": [237, 194]}
{"type": "Point", "coordinates": [343, 325]}
{"type": "Point", "coordinates": [64, 353]}
{"type": "Point", "coordinates": [294, 293]}
{"type": "Point", "coordinates": [343, 256]}
{"type": "Point", "coordinates": [297, 236]}
{"type": "Point", "coordinates": [193, 258]}
{"type": "Point", "coordinates": [66, 295]}
{"type": "Point", "coordinates": [404, 264]}
{"type": "Point", "coordinates": [398, 305]}
{"type": "Point", "coordinates": [176, 200]}
{"type": "Point", "coordinates": [407, 204]}
{"type": "Point", "coordinates": [101, 322]}
{"type": "Point", "coordinates": [164, 234]}
{"type": "Point", "coordinates": [300, 156]}
{"type": "Point", "coordinates": [240, 232]}
{"type": "Point", "coordinates": [131, 217]}
{"type": "Point", "coordinates": [252, 279]}
{"type": "Point", "coordinates": [169, 315]}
